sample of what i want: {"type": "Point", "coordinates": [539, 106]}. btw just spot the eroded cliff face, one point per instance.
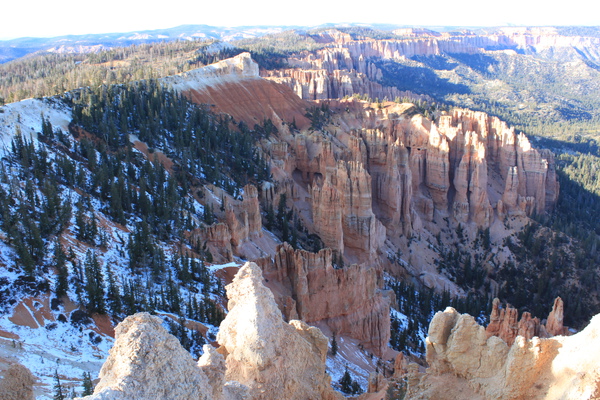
{"type": "Point", "coordinates": [403, 170]}
{"type": "Point", "coordinates": [505, 323]}
{"type": "Point", "coordinates": [217, 238]}
{"type": "Point", "coordinates": [461, 354]}
{"type": "Point", "coordinates": [347, 193]}
{"type": "Point", "coordinates": [366, 178]}
{"type": "Point", "coordinates": [260, 355]}
{"type": "Point", "coordinates": [347, 299]}
{"type": "Point", "coordinates": [243, 217]}
{"type": "Point", "coordinates": [322, 84]}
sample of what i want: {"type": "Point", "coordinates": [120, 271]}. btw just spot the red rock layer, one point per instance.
{"type": "Point", "coordinates": [253, 101]}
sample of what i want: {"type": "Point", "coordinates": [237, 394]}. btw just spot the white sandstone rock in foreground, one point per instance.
{"type": "Point", "coordinates": [265, 357]}
{"type": "Point", "coordinates": [263, 352]}
{"type": "Point", "coordinates": [462, 357]}
{"type": "Point", "coordinates": [147, 362]}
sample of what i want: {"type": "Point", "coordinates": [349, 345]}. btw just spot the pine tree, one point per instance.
{"type": "Point", "coordinates": [281, 208]}
{"type": "Point", "coordinates": [270, 216]}
{"type": "Point", "coordinates": [58, 389]}
{"type": "Point", "coordinates": [94, 285]}
{"type": "Point", "coordinates": [334, 346]}
{"type": "Point", "coordinates": [88, 386]}
{"type": "Point", "coordinates": [116, 204]}
{"type": "Point", "coordinates": [78, 279]}
{"type": "Point", "coordinates": [80, 221]}
{"type": "Point", "coordinates": [113, 294]}
{"type": "Point", "coordinates": [346, 382]}
{"type": "Point", "coordinates": [355, 388]}
{"type": "Point", "coordinates": [208, 215]}
{"type": "Point", "coordinates": [47, 130]}
{"type": "Point", "coordinates": [62, 278]}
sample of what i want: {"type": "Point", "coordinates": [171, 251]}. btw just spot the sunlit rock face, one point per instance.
{"type": "Point", "coordinates": [346, 299]}
{"type": "Point", "coordinates": [265, 353]}
{"type": "Point", "coordinates": [260, 354]}
{"type": "Point", "coordinates": [461, 355]}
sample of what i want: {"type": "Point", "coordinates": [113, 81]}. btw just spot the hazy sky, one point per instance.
{"type": "Point", "coordinates": [47, 18]}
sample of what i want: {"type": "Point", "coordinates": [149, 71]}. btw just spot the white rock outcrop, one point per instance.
{"type": "Point", "coordinates": [146, 362]}
{"type": "Point", "coordinates": [261, 356]}
{"type": "Point", "coordinates": [232, 69]}
{"type": "Point", "coordinates": [264, 352]}
{"type": "Point", "coordinates": [461, 356]}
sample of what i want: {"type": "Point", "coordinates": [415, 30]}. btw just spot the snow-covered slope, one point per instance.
{"type": "Point", "coordinates": [26, 117]}
{"type": "Point", "coordinates": [236, 69]}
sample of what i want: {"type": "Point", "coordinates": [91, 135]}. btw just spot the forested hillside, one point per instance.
{"type": "Point", "coordinates": [90, 218]}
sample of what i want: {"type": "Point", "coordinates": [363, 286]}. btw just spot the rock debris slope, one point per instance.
{"type": "Point", "coordinates": [260, 355]}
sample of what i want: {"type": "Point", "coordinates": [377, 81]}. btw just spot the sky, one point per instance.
{"type": "Point", "coordinates": [49, 18]}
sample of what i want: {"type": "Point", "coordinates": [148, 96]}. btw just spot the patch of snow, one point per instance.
{"type": "Point", "coordinates": [400, 317]}
{"type": "Point", "coordinates": [26, 116]}
{"type": "Point", "coordinates": [215, 267]}
{"type": "Point", "coordinates": [59, 347]}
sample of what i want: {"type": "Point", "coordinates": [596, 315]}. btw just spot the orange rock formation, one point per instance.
{"type": "Point", "coordinates": [347, 299]}
{"type": "Point", "coordinates": [505, 323]}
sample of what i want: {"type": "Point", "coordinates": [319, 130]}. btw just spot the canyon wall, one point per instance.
{"type": "Point", "coordinates": [321, 84]}
{"type": "Point", "coordinates": [373, 170]}
{"type": "Point", "coordinates": [345, 67]}
{"type": "Point", "coordinates": [346, 298]}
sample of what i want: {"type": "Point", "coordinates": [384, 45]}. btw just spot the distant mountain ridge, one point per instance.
{"type": "Point", "coordinates": [16, 48]}
{"type": "Point", "coordinates": [20, 47]}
